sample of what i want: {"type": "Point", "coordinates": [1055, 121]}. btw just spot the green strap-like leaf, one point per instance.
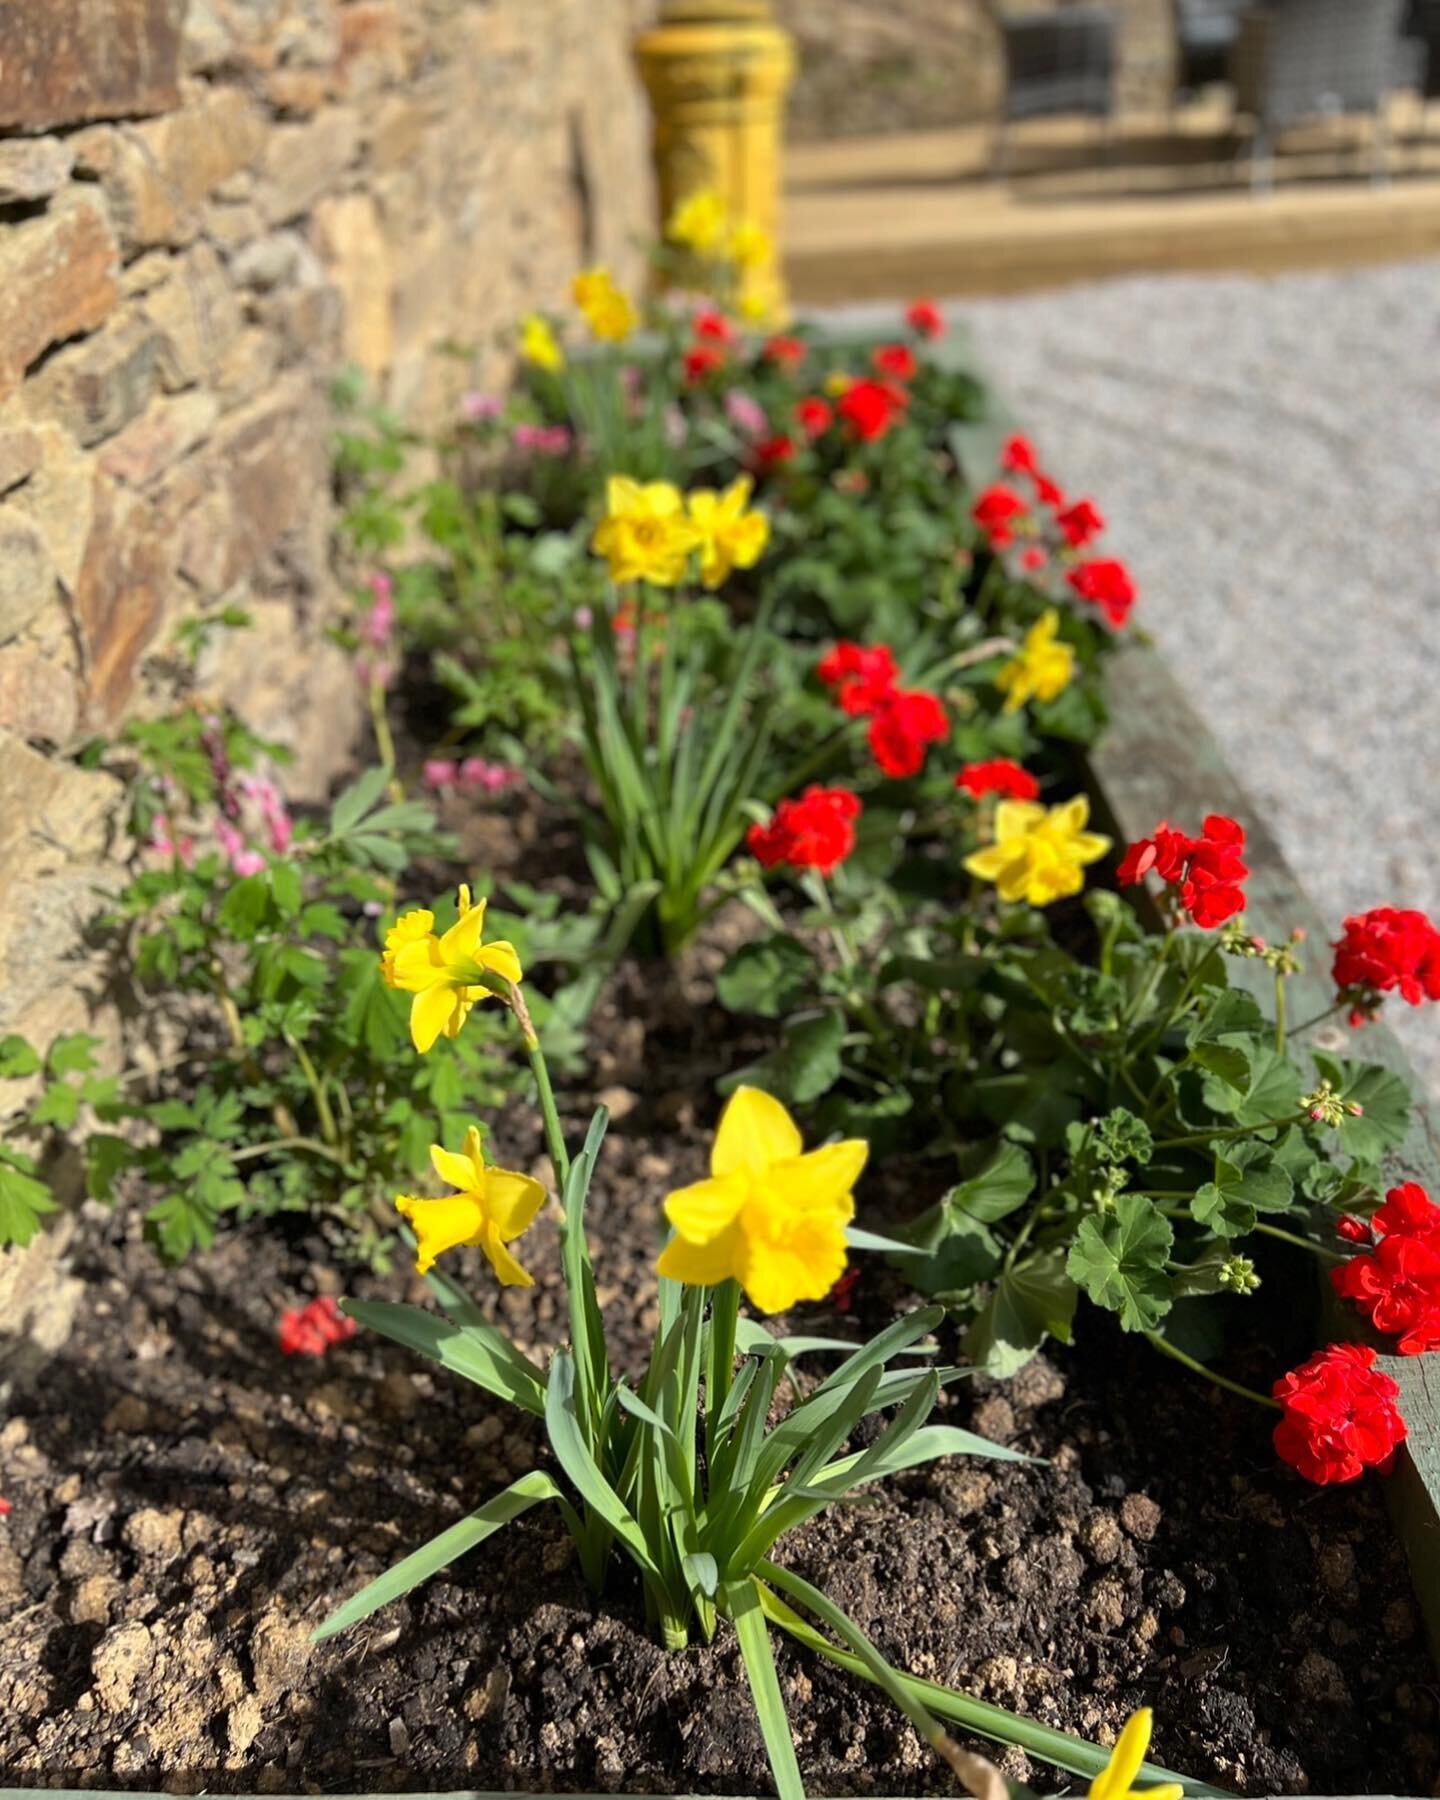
{"type": "Point", "coordinates": [474, 1349]}
{"type": "Point", "coordinates": [421, 1564]}
{"type": "Point", "coordinates": [743, 1602]}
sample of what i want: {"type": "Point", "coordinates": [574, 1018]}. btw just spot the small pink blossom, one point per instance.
{"type": "Point", "coordinates": [492, 777]}
{"type": "Point", "coordinates": [544, 440]}
{"type": "Point", "coordinates": [677, 427]}
{"type": "Point", "coordinates": [477, 407]}
{"type": "Point", "coordinates": [583, 618]}
{"type": "Point", "coordinates": [439, 774]}
{"type": "Point", "coordinates": [164, 842]}
{"type": "Point", "coordinates": [745, 413]}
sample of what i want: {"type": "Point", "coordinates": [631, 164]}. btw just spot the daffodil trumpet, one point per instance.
{"type": "Point", "coordinates": [688, 1473]}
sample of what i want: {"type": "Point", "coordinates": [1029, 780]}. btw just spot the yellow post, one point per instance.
{"type": "Point", "coordinates": [717, 72]}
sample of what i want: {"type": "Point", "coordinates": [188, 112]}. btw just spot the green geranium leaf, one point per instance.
{"type": "Point", "coordinates": [1228, 1062]}
{"type": "Point", "coordinates": [1030, 1303]}
{"type": "Point", "coordinates": [769, 978]}
{"type": "Point", "coordinates": [1119, 1259]}
{"type": "Point", "coordinates": [1273, 1091]}
{"type": "Point", "coordinates": [1385, 1122]}
{"type": "Point", "coordinates": [802, 1066]}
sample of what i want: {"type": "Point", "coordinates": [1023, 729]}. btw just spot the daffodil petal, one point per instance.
{"type": "Point", "coordinates": [500, 959]}
{"type": "Point", "coordinates": [441, 1225]}
{"type": "Point", "coordinates": [1015, 818]}
{"type": "Point", "coordinates": [461, 942]}
{"type": "Point", "coordinates": [702, 1265]}
{"type": "Point", "coordinates": [430, 1013]}
{"type": "Point", "coordinates": [512, 1201]}
{"type": "Point", "coordinates": [703, 1210]}
{"type": "Point", "coordinates": [805, 1266]}
{"type": "Point", "coordinates": [455, 1169]}
{"type": "Point", "coordinates": [989, 864]}
{"type": "Point", "coordinates": [509, 1272]}
{"type": "Point", "coordinates": [824, 1179]}
{"type": "Point", "coordinates": [754, 1131]}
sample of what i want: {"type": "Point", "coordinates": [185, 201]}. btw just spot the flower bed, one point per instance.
{"type": "Point", "coordinates": [819, 844]}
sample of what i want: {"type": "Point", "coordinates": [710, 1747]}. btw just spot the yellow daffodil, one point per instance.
{"type": "Point", "coordinates": [749, 246]}
{"type": "Point", "coordinates": [771, 1216]}
{"type": "Point", "coordinates": [1116, 1780]}
{"type": "Point", "coordinates": [1039, 852]}
{"type": "Point", "coordinates": [836, 383]}
{"type": "Point", "coordinates": [1042, 669]}
{"type": "Point", "coordinates": [492, 1207]}
{"type": "Point", "coordinates": [730, 537]}
{"type": "Point", "coordinates": [699, 222]}
{"type": "Point", "coordinates": [443, 973]}
{"type": "Point", "coordinates": [539, 345]}
{"type": "Point", "coordinates": [606, 307]}
{"type": "Point", "coordinates": [645, 535]}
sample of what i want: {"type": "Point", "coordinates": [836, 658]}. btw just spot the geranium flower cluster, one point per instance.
{"type": "Point", "coordinates": [904, 722]}
{"type": "Point", "coordinates": [1396, 1282]}
{"type": "Point", "coordinates": [998, 776]}
{"type": "Point", "coordinates": [1053, 528]}
{"type": "Point", "coordinates": [1338, 1415]}
{"type": "Point", "coordinates": [817, 831]}
{"type": "Point", "coordinates": [1203, 875]}
{"type": "Point", "coordinates": [311, 1329]}
{"type": "Point", "coordinates": [1383, 951]}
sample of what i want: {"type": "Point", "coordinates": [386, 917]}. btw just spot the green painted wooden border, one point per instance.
{"type": "Point", "coordinates": [1157, 760]}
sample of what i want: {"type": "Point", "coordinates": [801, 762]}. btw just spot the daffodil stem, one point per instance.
{"type": "Point", "coordinates": [724, 1313]}
{"type": "Point", "coordinates": [1220, 1381]}
{"type": "Point", "coordinates": [549, 1113]}
{"type": "Point", "coordinates": [384, 742]}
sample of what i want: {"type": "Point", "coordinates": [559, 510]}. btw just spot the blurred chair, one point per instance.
{"type": "Point", "coordinates": [1422, 33]}
{"type": "Point", "coordinates": [1299, 59]}
{"type": "Point", "coordinates": [1055, 63]}
{"type": "Point", "coordinates": [1205, 33]}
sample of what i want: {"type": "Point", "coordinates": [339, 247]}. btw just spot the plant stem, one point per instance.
{"type": "Point", "coordinates": [1319, 1018]}
{"type": "Point", "coordinates": [1220, 1381]}
{"type": "Point", "coordinates": [1280, 1011]}
{"type": "Point", "coordinates": [1227, 1131]}
{"type": "Point", "coordinates": [724, 1314]}
{"type": "Point", "coordinates": [317, 1089]}
{"type": "Point", "coordinates": [554, 1136]}
{"type": "Point", "coordinates": [1293, 1237]}
{"type": "Point", "coordinates": [384, 742]}
{"type": "Point", "coordinates": [313, 1145]}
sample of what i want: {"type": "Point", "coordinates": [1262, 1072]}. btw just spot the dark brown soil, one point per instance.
{"type": "Point", "coordinates": [188, 1504]}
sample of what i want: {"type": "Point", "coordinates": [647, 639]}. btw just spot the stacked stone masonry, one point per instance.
{"type": "Point", "coordinates": [208, 209]}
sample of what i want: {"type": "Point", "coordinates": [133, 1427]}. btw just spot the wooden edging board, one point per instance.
{"type": "Point", "coordinates": [1157, 760]}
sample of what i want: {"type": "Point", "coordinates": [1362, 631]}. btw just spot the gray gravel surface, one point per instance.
{"type": "Point", "coordinates": [1267, 454]}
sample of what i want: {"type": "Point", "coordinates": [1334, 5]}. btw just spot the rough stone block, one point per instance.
{"type": "Point", "coordinates": [302, 162]}
{"type": "Point", "coordinates": [39, 698]}
{"type": "Point", "coordinates": [96, 387]}
{"type": "Point", "coordinates": [57, 279]}
{"type": "Point", "coordinates": [120, 598]}
{"type": "Point", "coordinates": [20, 448]}
{"type": "Point", "coordinates": [27, 575]}
{"type": "Point", "coordinates": [168, 431]}
{"type": "Point", "coordinates": [197, 317]}
{"type": "Point", "coordinates": [33, 169]}
{"type": "Point", "coordinates": [66, 61]}
{"type": "Point", "coordinates": [355, 250]}
{"type": "Point", "coordinates": [60, 497]}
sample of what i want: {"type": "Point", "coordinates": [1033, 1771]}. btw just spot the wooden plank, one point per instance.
{"type": "Point", "coordinates": [1158, 761]}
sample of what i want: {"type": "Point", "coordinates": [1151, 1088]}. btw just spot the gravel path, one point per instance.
{"type": "Point", "coordinates": [1268, 455]}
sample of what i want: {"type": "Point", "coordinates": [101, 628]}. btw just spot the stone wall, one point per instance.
{"type": "Point", "coordinates": [873, 66]}
{"type": "Point", "coordinates": [207, 207]}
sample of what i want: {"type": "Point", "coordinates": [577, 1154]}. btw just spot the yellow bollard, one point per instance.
{"type": "Point", "coordinates": [717, 72]}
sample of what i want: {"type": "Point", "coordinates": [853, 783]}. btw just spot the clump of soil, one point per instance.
{"type": "Point", "coordinates": [187, 1505]}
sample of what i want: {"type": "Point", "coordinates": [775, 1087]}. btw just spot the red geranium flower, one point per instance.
{"type": "Point", "coordinates": [1203, 874]}
{"type": "Point", "coordinates": [772, 452]}
{"type": "Point", "coordinates": [1105, 583]}
{"type": "Point", "coordinates": [817, 831]}
{"type": "Point", "coordinates": [714, 326]}
{"type": "Point", "coordinates": [1019, 457]}
{"type": "Point", "coordinates": [1079, 523]}
{"type": "Point", "coordinates": [786, 352]}
{"type": "Point", "coordinates": [870, 408]}
{"type": "Point", "coordinates": [311, 1329]}
{"type": "Point", "coordinates": [897, 360]}
{"type": "Point", "coordinates": [814, 416]}
{"type": "Point", "coordinates": [1397, 1287]}
{"type": "Point", "coordinates": [701, 362]}
{"type": "Point", "coordinates": [862, 676]}
{"type": "Point", "coordinates": [996, 511]}
{"type": "Point", "coordinates": [842, 1295]}
{"type": "Point", "coordinates": [999, 776]}
{"type": "Point", "coordinates": [5, 1504]}
{"type": "Point", "coordinates": [1387, 950]}
{"type": "Point", "coordinates": [1353, 1229]}
{"type": "Point", "coordinates": [905, 724]}
{"type": "Point", "coordinates": [1033, 558]}
{"type": "Point", "coordinates": [1338, 1415]}
{"type": "Point", "coordinates": [925, 317]}
{"type": "Point", "coordinates": [1048, 492]}
{"type": "Point", "coordinates": [1408, 1212]}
